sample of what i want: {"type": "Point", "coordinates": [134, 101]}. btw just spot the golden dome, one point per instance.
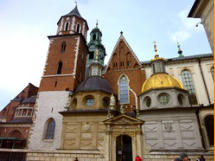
{"type": "Point", "coordinates": [161, 80]}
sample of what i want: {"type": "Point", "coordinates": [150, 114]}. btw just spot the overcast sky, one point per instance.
{"type": "Point", "coordinates": [25, 25]}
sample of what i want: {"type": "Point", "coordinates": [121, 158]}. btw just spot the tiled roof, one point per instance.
{"type": "Point", "coordinates": [31, 99]}
{"type": "Point", "coordinates": [95, 83]}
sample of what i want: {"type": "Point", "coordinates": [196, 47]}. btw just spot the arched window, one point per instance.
{"type": "Point", "coordinates": [63, 47]}
{"type": "Point", "coordinates": [59, 68]}
{"type": "Point", "coordinates": [212, 72]}
{"type": "Point", "coordinates": [94, 37]}
{"type": "Point", "coordinates": [209, 124]}
{"type": "Point", "coordinates": [78, 28]}
{"type": "Point", "coordinates": [89, 100]}
{"type": "Point", "coordinates": [67, 26]}
{"type": "Point", "coordinates": [188, 84]}
{"type": "Point", "coordinates": [50, 130]}
{"type": "Point", "coordinates": [123, 90]}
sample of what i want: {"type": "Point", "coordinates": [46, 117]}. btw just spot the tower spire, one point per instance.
{"type": "Point", "coordinates": [97, 23]}
{"type": "Point", "coordinates": [179, 50]}
{"type": "Point", "coordinates": [155, 49]}
{"type": "Point", "coordinates": [76, 3]}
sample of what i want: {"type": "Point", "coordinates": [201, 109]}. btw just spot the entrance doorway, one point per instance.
{"type": "Point", "coordinates": [123, 148]}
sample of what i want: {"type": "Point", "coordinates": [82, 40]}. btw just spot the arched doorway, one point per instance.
{"type": "Point", "coordinates": [123, 148]}
{"type": "Point", "coordinates": [209, 124]}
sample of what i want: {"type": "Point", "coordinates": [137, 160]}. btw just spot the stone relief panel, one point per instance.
{"type": "Point", "coordinates": [172, 134]}
{"type": "Point", "coordinates": [84, 135]}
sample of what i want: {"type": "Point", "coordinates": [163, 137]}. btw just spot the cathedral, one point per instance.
{"type": "Point", "coordinates": [86, 110]}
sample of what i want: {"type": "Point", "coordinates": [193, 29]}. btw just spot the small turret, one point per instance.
{"type": "Point", "coordinates": [95, 46]}
{"type": "Point", "coordinates": [158, 63]}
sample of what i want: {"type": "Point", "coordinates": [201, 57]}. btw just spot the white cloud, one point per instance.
{"type": "Point", "coordinates": [180, 36]}
{"type": "Point", "coordinates": [186, 27]}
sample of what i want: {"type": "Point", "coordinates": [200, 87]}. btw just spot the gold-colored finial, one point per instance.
{"type": "Point", "coordinates": [179, 48]}
{"type": "Point", "coordinates": [155, 49]}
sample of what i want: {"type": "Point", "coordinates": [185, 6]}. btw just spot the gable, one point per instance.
{"type": "Point", "coordinates": [123, 120]}
{"type": "Point", "coordinates": [122, 57]}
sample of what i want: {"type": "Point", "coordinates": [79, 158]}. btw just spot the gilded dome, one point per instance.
{"type": "Point", "coordinates": [161, 80]}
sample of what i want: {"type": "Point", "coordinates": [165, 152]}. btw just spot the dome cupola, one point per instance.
{"type": "Point", "coordinates": [162, 90]}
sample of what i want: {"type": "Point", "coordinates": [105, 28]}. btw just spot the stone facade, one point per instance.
{"type": "Point", "coordinates": [47, 106]}
{"type": "Point", "coordinates": [171, 130]}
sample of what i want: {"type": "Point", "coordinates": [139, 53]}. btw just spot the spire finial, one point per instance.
{"type": "Point", "coordinates": [76, 3]}
{"type": "Point", "coordinates": [121, 33]}
{"type": "Point", "coordinates": [97, 23]}
{"type": "Point", "coordinates": [179, 49]}
{"type": "Point", "coordinates": [155, 48]}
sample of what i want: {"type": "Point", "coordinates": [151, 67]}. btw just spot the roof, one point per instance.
{"type": "Point", "coordinates": [161, 80]}
{"type": "Point", "coordinates": [199, 56]}
{"type": "Point", "coordinates": [95, 83]}
{"type": "Point", "coordinates": [74, 12]}
{"type": "Point", "coordinates": [21, 121]}
{"type": "Point", "coordinates": [31, 100]}
{"type": "Point", "coordinates": [197, 8]}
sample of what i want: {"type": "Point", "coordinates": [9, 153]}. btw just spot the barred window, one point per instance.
{"type": "Point", "coordinates": [212, 72]}
{"type": "Point", "coordinates": [163, 98]}
{"type": "Point", "coordinates": [50, 130]}
{"type": "Point", "coordinates": [188, 84]}
{"type": "Point", "coordinates": [123, 85]}
{"type": "Point", "coordinates": [188, 81]}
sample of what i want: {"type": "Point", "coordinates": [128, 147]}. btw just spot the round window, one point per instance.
{"type": "Point", "coordinates": [163, 98]}
{"type": "Point", "coordinates": [180, 99]}
{"type": "Point", "coordinates": [147, 101]}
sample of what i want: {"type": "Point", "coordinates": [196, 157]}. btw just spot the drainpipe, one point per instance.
{"type": "Point", "coordinates": [203, 78]}
{"type": "Point", "coordinates": [200, 128]}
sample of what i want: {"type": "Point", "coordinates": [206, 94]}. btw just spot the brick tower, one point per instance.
{"type": "Point", "coordinates": [64, 70]}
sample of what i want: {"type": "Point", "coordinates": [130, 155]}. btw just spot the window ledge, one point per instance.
{"type": "Point", "coordinates": [48, 140]}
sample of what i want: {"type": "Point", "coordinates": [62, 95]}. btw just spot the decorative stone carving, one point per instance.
{"type": "Point", "coordinates": [168, 126]}
{"type": "Point", "coordinates": [86, 127]}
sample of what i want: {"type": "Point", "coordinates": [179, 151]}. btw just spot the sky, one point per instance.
{"type": "Point", "coordinates": [25, 25]}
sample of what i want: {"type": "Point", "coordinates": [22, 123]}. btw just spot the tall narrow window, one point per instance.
{"type": "Point", "coordinates": [67, 26]}
{"type": "Point", "coordinates": [63, 47]}
{"type": "Point", "coordinates": [94, 37]}
{"type": "Point", "coordinates": [123, 90]}
{"type": "Point", "coordinates": [212, 72]}
{"type": "Point", "coordinates": [188, 84]}
{"type": "Point", "coordinates": [50, 130]}
{"type": "Point", "coordinates": [78, 28]}
{"type": "Point", "coordinates": [59, 69]}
